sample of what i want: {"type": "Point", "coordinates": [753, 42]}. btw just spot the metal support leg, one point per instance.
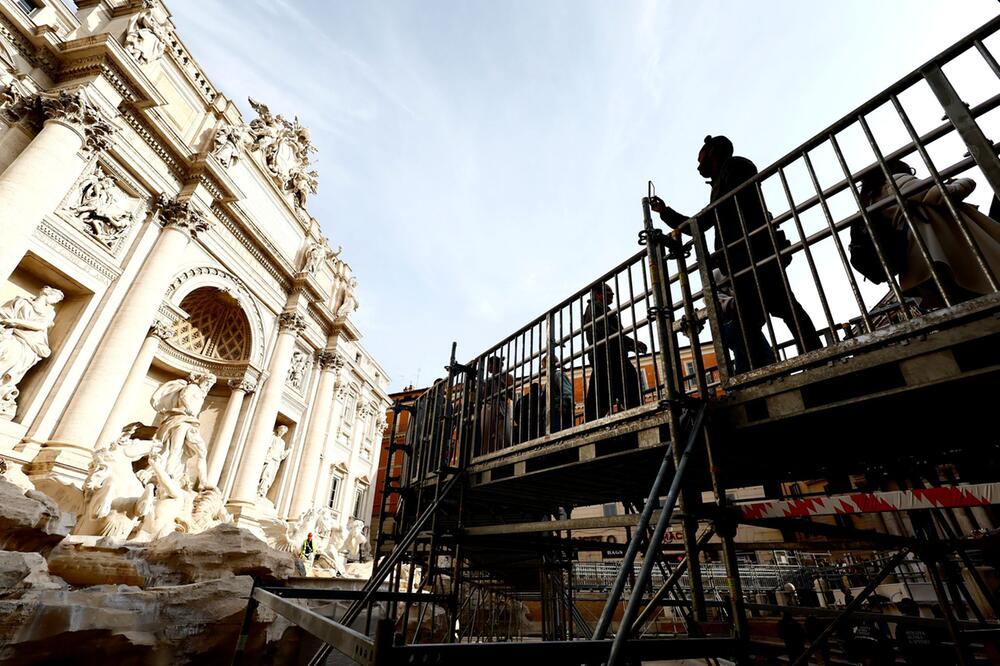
{"type": "Point", "coordinates": [961, 649]}
{"type": "Point", "coordinates": [241, 643]}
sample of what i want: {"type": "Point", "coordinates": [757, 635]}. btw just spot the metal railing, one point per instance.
{"type": "Point", "coordinates": [782, 294]}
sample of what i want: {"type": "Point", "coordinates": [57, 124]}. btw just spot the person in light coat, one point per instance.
{"type": "Point", "coordinates": [954, 260]}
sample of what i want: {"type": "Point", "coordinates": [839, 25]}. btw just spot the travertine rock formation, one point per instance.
{"type": "Point", "coordinates": [29, 520]}
{"type": "Point", "coordinates": [222, 551]}
{"type": "Point", "coordinates": [122, 624]}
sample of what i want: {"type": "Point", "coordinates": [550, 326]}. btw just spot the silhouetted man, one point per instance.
{"type": "Point", "coordinates": [733, 255]}
{"type": "Point", "coordinates": [612, 377]}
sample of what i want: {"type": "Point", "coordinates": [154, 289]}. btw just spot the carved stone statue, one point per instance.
{"type": "Point", "coordinates": [275, 455]}
{"type": "Point", "coordinates": [316, 254]}
{"type": "Point", "coordinates": [229, 143]}
{"type": "Point", "coordinates": [356, 545]}
{"type": "Point", "coordinates": [178, 403]}
{"type": "Point", "coordinates": [301, 184]}
{"type": "Point", "coordinates": [297, 371]}
{"type": "Point", "coordinates": [111, 489]}
{"type": "Point", "coordinates": [24, 341]}
{"type": "Point", "coordinates": [120, 503]}
{"type": "Point", "coordinates": [102, 207]}
{"type": "Point", "coordinates": [350, 303]}
{"type": "Point", "coordinates": [145, 37]}
{"type": "Point", "coordinates": [285, 147]}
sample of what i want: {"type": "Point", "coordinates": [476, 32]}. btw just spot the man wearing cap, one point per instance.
{"type": "Point", "coordinates": [732, 254]}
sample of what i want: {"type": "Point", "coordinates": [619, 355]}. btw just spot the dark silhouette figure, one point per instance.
{"type": "Point", "coordinates": [794, 636]}
{"type": "Point", "coordinates": [920, 645]}
{"type": "Point", "coordinates": [734, 254]}
{"type": "Point", "coordinates": [613, 379]}
{"type": "Point", "coordinates": [814, 627]}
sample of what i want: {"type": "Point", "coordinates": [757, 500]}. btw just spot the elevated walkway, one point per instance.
{"type": "Point", "coordinates": [633, 390]}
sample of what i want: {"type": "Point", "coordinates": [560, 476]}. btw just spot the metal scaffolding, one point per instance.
{"type": "Point", "coordinates": [620, 393]}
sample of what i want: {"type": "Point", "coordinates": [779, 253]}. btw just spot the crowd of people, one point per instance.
{"type": "Point", "coordinates": [872, 642]}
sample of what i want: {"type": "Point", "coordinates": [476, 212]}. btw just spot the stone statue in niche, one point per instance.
{"type": "Point", "coordinates": [24, 341]}
{"type": "Point", "coordinates": [145, 37]}
{"type": "Point", "coordinates": [229, 143]}
{"type": "Point", "coordinates": [182, 448]}
{"type": "Point", "coordinates": [350, 303]}
{"type": "Point", "coordinates": [316, 254]}
{"type": "Point", "coordinates": [275, 454]}
{"type": "Point", "coordinates": [102, 207]}
{"type": "Point", "coordinates": [297, 371]}
{"type": "Point", "coordinates": [301, 184]}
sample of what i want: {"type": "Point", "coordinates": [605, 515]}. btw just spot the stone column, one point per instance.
{"type": "Point", "coordinates": [140, 368]}
{"type": "Point", "coordinates": [322, 471]}
{"type": "Point", "coordinates": [303, 497]}
{"type": "Point", "coordinates": [227, 427]}
{"type": "Point", "coordinates": [39, 177]}
{"type": "Point", "coordinates": [251, 465]}
{"type": "Point", "coordinates": [103, 380]}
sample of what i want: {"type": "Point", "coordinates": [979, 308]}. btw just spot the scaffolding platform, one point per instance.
{"type": "Point", "coordinates": [656, 386]}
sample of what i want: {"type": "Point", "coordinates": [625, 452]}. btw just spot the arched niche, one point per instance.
{"type": "Point", "coordinates": [229, 292]}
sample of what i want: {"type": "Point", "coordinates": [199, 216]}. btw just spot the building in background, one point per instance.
{"type": "Point", "coordinates": [388, 463]}
{"type": "Point", "coordinates": [159, 266]}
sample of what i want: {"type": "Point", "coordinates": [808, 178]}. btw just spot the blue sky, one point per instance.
{"type": "Point", "coordinates": [479, 160]}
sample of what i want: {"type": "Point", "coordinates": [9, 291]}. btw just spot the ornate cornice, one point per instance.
{"type": "Point", "coordinates": [139, 125]}
{"type": "Point", "coordinates": [291, 321]}
{"type": "Point", "coordinates": [75, 108]}
{"type": "Point", "coordinates": [183, 215]}
{"type": "Point", "coordinates": [56, 236]}
{"type": "Point", "coordinates": [100, 64]}
{"type": "Point", "coordinates": [244, 239]}
{"type": "Point", "coordinates": [37, 57]}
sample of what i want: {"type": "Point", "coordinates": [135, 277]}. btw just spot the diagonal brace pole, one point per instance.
{"type": "Point", "coordinates": [889, 567]}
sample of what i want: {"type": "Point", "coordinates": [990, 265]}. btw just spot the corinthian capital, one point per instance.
{"type": "Point", "coordinates": [161, 330]}
{"type": "Point", "coordinates": [18, 105]}
{"type": "Point", "coordinates": [328, 359]}
{"type": "Point", "coordinates": [183, 215]}
{"type": "Point", "coordinates": [75, 109]}
{"type": "Point", "coordinates": [246, 385]}
{"type": "Point", "coordinates": [291, 321]}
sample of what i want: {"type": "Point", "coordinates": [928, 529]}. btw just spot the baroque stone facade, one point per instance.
{"type": "Point", "coordinates": [176, 339]}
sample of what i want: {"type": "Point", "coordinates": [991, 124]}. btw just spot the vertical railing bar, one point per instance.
{"type": "Point", "coordinates": [765, 315]}
{"type": "Point", "coordinates": [741, 320]}
{"type": "Point", "coordinates": [844, 262]}
{"type": "Point", "coordinates": [552, 401]}
{"type": "Point", "coordinates": [866, 220]}
{"type": "Point", "coordinates": [793, 207]}
{"type": "Point", "coordinates": [654, 354]}
{"type": "Point", "coordinates": [622, 346]}
{"type": "Point", "coordinates": [958, 113]}
{"type": "Point", "coordinates": [640, 373]}
{"type": "Point", "coordinates": [781, 270]}
{"type": "Point", "coordinates": [988, 57]}
{"type": "Point", "coordinates": [904, 208]}
{"type": "Point", "coordinates": [959, 220]}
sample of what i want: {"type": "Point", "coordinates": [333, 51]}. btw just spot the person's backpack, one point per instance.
{"type": "Point", "coordinates": [864, 257]}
